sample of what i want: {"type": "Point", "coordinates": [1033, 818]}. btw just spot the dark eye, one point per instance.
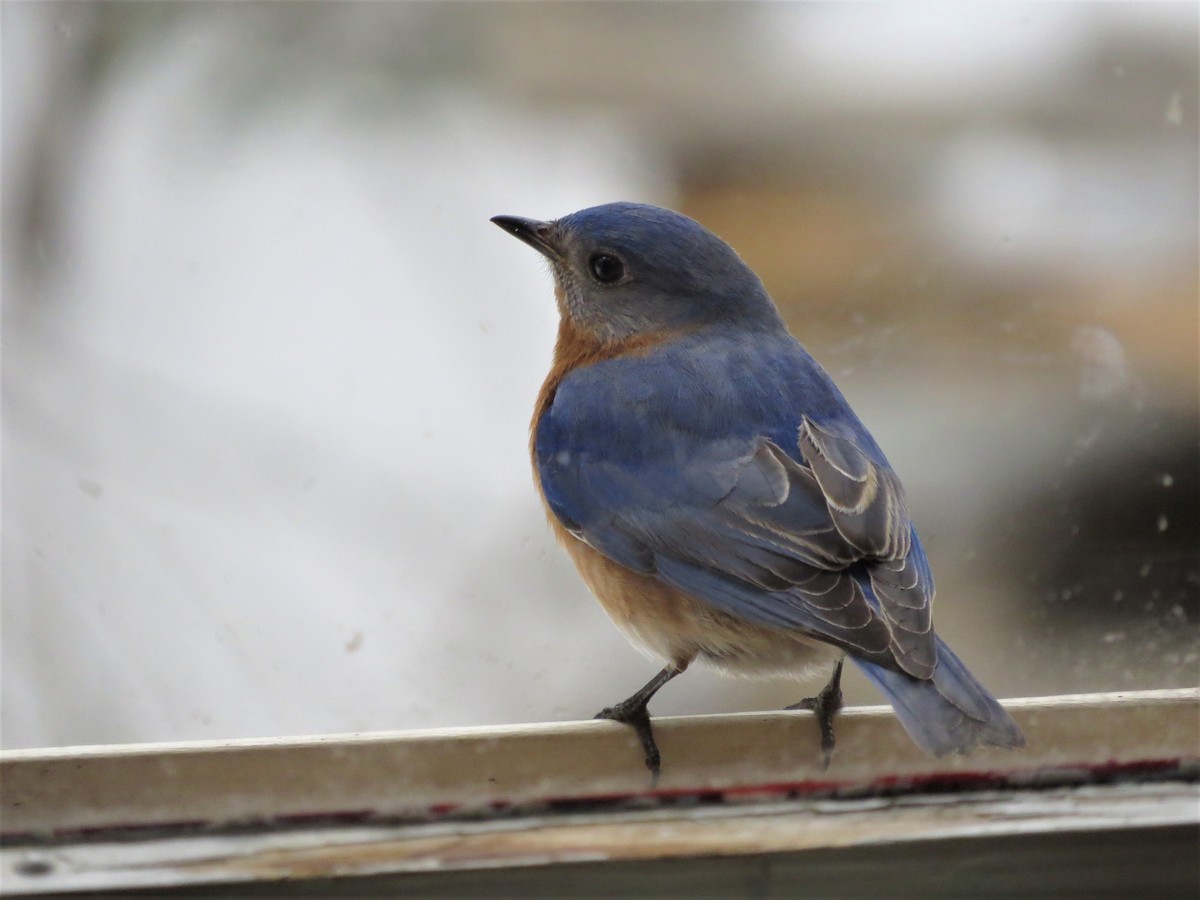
{"type": "Point", "coordinates": [606, 268]}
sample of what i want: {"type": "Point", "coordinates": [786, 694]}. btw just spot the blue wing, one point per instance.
{"type": "Point", "coordinates": [738, 473]}
{"type": "Point", "coordinates": [735, 471]}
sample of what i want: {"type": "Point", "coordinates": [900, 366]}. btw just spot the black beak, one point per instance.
{"type": "Point", "coordinates": [538, 235]}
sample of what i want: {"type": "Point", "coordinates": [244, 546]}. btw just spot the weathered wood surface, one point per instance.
{"type": "Point", "coordinates": [378, 809]}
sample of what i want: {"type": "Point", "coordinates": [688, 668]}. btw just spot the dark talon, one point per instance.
{"type": "Point", "coordinates": [638, 717]}
{"type": "Point", "coordinates": [825, 706]}
{"type": "Point", "coordinates": [632, 711]}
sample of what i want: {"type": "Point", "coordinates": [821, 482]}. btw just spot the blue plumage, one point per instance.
{"type": "Point", "coordinates": [717, 490]}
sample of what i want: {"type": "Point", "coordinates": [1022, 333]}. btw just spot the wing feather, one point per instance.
{"type": "Point", "coordinates": [814, 536]}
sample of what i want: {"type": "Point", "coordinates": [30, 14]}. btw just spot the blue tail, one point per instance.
{"type": "Point", "coordinates": [949, 713]}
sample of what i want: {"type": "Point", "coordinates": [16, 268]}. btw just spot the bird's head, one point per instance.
{"type": "Point", "coordinates": [629, 270]}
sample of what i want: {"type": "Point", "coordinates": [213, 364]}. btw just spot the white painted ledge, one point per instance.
{"type": "Point", "coordinates": [92, 818]}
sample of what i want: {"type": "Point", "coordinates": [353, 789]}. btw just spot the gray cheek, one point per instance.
{"type": "Point", "coordinates": [604, 315]}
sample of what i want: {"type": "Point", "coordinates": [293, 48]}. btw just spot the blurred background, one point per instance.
{"type": "Point", "coordinates": [268, 368]}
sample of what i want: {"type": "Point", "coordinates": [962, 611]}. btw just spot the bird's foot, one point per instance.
{"type": "Point", "coordinates": [825, 706]}
{"type": "Point", "coordinates": [633, 712]}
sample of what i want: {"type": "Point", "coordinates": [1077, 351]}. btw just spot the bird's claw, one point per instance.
{"type": "Point", "coordinates": [825, 706]}
{"type": "Point", "coordinates": [636, 716]}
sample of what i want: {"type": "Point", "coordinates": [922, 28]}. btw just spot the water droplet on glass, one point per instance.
{"type": "Point", "coordinates": [1174, 112]}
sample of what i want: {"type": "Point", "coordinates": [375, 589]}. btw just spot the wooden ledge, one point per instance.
{"type": "Point", "coordinates": [429, 775]}
{"type": "Point", "coordinates": [1105, 792]}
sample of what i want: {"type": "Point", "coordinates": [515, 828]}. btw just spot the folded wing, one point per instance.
{"type": "Point", "coordinates": [816, 539]}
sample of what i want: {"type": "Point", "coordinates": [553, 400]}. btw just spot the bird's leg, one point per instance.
{"type": "Point", "coordinates": [825, 705]}
{"type": "Point", "coordinates": [632, 711]}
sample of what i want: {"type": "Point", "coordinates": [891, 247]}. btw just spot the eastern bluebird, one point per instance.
{"type": "Point", "coordinates": [715, 489]}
